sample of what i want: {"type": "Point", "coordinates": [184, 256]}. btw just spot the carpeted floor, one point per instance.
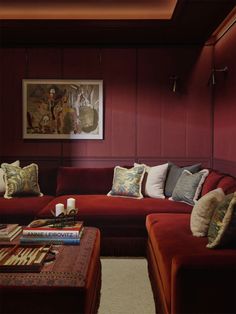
{"type": "Point", "coordinates": [125, 287]}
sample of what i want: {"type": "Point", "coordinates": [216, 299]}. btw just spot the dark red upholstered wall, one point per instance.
{"type": "Point", "coordinates": [225, 100]}
{"type": "Point", "coordinates": [143, 119]}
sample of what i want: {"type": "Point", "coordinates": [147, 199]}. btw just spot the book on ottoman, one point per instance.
{"type": "Point", "coordinates": [68, 234]}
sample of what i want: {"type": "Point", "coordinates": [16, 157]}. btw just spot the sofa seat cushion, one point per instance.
{"type": "Point", "coordinates": [171, 239]}
{"type": "Point", "coordinates": [116, 216]}
{"type": "Point", "coordinates": [22, 210]}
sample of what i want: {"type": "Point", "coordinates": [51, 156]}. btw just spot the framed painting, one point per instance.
{"type": "Point", "coordinates": [62, 109]}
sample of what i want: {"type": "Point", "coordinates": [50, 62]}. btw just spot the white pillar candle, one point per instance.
{"type": "Point", "coordinates": [70, 203]}
{"type": "Point", "coordinates": [59, 209]}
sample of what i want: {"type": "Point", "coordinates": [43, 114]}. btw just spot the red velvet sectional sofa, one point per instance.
{"type": "Point", "coordinates": [121, 220]}
{"type": "Point", "coordinates": [186, 276]}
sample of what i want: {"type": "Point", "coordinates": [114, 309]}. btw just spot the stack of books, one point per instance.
{"type": "Point", "coordinates": [10, 232]}
{"type": "Point", "coordinates": [50, 234]}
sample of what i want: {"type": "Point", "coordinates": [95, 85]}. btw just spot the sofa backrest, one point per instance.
{"type": "Point", "coordinates": [216, 180]}
{"type": "Point", "coordinates": [73, 180]}
{"type": "Point", "coordinates": [48, 180]}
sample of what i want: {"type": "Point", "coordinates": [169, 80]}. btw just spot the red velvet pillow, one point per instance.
{"type": "Point", "coordinates": [211, 182]}
{"type": "Point", "coordinates": [74, 180]}
{"type": "Point", "coordinates": [228, 184]}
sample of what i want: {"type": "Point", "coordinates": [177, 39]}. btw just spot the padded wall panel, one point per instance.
{"type": "Point", "coordinates": [13, 71]}
{"type": "Point", "coordinates": [149, 102]}
{"type": "Point", "coordinates": [82, 63]}
{"type": "Point", "coordinates": [199, 124]}
{"type": "Point", "coordinates": [225, 94]}
{"type": "Point", "coordinates": [1, 101]}
{"type": "Point", "coordinates": [174, 110]}
{"type": "Point", "coordinates": [43, 63]}
{"type": "Point", "coordinates": [120, 78]}
{"type": "Point", "coordinates": [116, 67]}
{"type": "Point", "coordinates": [143, 118]}
{"type": "Point", "coordinates": [21, 64]}
{"type": "Point", "coordinates": [172, 124]}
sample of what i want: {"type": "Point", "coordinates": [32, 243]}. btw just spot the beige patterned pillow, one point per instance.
{"type": "Point", "coordinates": [2, 183]}
{"type": "Point", "coordinates": [127, 182]}
{"type": "Point", "coordinates": [203, 211]}
{"type": "Point", "coordinates": [21, 181]}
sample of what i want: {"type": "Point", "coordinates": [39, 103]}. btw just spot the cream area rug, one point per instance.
{"type": "Point", "coordinates": [125, 287]}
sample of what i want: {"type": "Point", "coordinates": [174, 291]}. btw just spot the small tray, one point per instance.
{"type": "Point", "coordinates": [22, 258]}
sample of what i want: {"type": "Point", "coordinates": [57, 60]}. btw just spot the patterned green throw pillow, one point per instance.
{"type": "Point", "coordinates": [21, 181]}
{"type": "Point", "coordinates": [222, 227]}
{"type": "Point", "coordinates": [127, 182]}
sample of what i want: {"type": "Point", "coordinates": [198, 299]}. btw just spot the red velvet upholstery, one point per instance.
{"type": "Point", "coordinates": [48, 180]}
{"type": "Point", "coordinates": [72, 180]}
{"type": "Point", "coordinates": [192, 278]}
{"type": "Point", "coordinates": [211, 181]}
{"type": "Point", "coordinates": [22, 210]}
{"type": "Point", "coordinates": [228, 184]}
{"type": "Point", "coordinates": [113, 214]}
{"type": "Point", "coordinates": [121, 220]}
{"type": "Point", "coordinates": [117, 209]}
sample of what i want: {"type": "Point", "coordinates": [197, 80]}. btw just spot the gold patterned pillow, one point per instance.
{"type": "Point", "coordinates": [21, 181]}
{"type": "Point", "coordinates": [222, 229]}
{"type": "Point", "coordinates": [127, 182]}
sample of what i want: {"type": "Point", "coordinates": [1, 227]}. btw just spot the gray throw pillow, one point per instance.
{"type": "Point", "coordinates": [189, 185]}
{"type": "Point", "coordinates": [174, 172]}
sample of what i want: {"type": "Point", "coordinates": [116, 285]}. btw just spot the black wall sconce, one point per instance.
{"type": "Point", "coordinates": [212, 79]}
{"type": "Point", "coordinates": [174, 83]}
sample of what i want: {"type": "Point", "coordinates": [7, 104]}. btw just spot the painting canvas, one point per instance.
{"type": "Point", "coordinates": [62, 109]}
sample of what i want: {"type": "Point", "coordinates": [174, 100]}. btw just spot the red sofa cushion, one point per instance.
{"type": "Point", "coordinates": [117, 215]}
{"type": "Point", "coordinates": [22, 210]}
{"type": "Point", "coordinates": [74, 180]}
{"type": "Point", "coordinates": [173, 244]}
{"type": "Point", "coordinates": [228, 184]}
{"type": "Point", "coordinates": [211, 182]}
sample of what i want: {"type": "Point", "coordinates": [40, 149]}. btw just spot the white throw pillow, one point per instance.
{"type": "Point", "coordinates": [155, 181]}
{"type": "Point", "coordinates": [2, 183]}
{"type": "Point", "coordinates": [203, 210]}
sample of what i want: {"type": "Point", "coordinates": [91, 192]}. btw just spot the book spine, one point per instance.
{"type": "Point", "coordinates": [44, 240]}
{"type": "Point", "coordinates": [52, 233]}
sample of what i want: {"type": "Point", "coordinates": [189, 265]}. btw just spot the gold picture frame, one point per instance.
{"type": "Point", "coordinates": [62, 109]}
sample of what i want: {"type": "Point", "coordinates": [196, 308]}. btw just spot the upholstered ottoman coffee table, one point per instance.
{"type": "Point", "coordinates": [69, 284]}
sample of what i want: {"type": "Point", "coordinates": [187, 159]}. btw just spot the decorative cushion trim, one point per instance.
{"type": "Point", "coordinates": [2, 183]}
{"type": "Point", "coordinates": [127, 182]}
{"type": "Point", "coordinates": [21, 181]}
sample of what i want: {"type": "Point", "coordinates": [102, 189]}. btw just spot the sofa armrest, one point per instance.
{"type": "Point", "coordinates": [204, 283]}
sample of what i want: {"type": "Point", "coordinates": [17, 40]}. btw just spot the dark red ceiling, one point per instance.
{"type": "Point", "coordinates": [193, 22]}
